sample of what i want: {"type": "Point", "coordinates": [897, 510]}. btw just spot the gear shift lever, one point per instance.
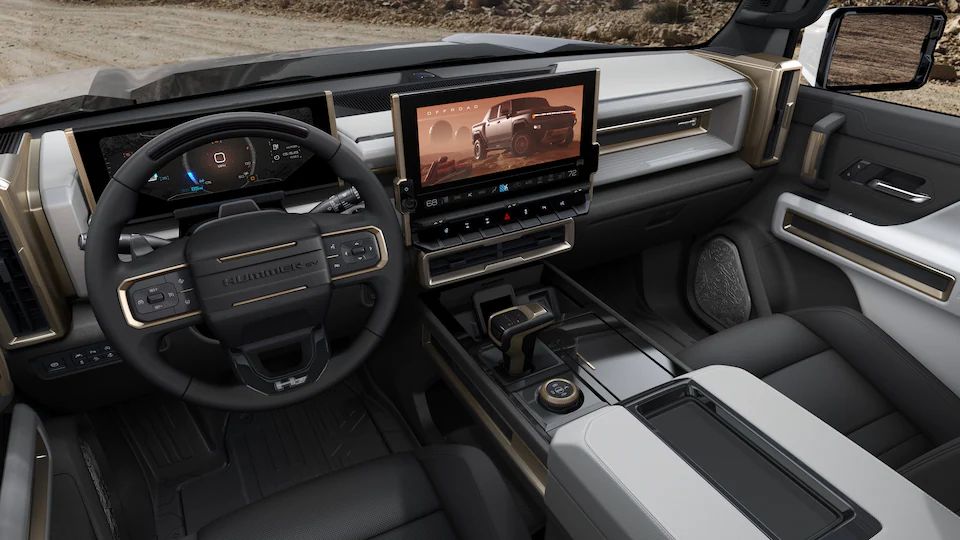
{"type": "Point", "coordinates": [514, 331]}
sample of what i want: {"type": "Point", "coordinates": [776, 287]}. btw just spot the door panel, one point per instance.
{"type": "Point", "coordinates": [901, 257]}
{"type": "Point", "coordinates": [914, 141]}
{"type": "Point", "coordinates": [25, 489]}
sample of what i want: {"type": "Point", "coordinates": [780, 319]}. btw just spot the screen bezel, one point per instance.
{"type": "Point", "coordinates": [148, 207]}
{"type": "Point", "coordinates": [405, 108]}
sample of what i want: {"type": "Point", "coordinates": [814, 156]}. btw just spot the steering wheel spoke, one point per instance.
{"type": "Point", "coordinates": [155, 290]}
{"type": "Point", "coordinates": [282, 363]}
{"type": "Point", "coordinates": [355, 248]}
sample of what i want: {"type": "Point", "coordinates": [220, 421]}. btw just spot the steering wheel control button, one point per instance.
{"type": "Point", "coordinates": [352, 252]}
{"type": "Point", "coordinates": [559, 395]}
{"type": "Point", "coordinates": [181, 278]}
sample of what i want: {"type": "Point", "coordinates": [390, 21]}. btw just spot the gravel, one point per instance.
{"type": "Point", "coordinates": [43, 37]}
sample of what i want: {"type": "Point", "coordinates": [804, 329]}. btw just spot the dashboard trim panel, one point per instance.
{"type": "Point", "coordinates": [36, 251]}
{"type": "Point", "coordinates": [81, 170]}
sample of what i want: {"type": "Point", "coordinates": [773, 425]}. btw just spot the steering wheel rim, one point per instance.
{"type": "Point", "coordinates": [106, 273]}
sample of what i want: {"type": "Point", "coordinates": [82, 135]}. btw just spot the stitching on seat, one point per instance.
{"type": "Point", "coordinates": [936, 453]}
{"type": "Point", "coordinates": [875, 420]}
{"type": "Point", "coordinates": [901, 443]}
{"type": "Point", "coordinates": [895, 348]}
{"type": "Point", "coordinates": [791, 364]}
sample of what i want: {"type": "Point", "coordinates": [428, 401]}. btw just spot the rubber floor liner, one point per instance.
{"type": "Point", "coordinates": [274, 450]}
{"type": "Point", "coordinates": [195, 481]}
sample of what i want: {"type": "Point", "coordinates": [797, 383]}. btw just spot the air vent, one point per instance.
{"type": "Point", "coordinates": [462, 262]}
{"type": "Point", "coordinates": [10, 141]}
{"type": "Point", "coordinates": [18, 302]}
{"type": "Point", "coordinates": [778, 131]}
{"type": "Point", "coordinates": [378, 99]}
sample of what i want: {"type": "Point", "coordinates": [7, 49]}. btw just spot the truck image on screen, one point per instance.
{"type": "Point", "coordinates": [520, 125]}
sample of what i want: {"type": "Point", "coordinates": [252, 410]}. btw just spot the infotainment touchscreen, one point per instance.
{"type": "Point", "coordinates": [467, 139]}
{"type": "Point", "coordinates": [468, 143]}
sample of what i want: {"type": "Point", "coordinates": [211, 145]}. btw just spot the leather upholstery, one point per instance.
{"type": "Point", "coordinates": [938, 473]}
{"type": "Point", "coordinates": [843, 368]}
{"type": "Point", "coordinates": [440, 492]}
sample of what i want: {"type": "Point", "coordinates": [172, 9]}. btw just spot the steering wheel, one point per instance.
{"type": "Point", "coordinates": [259, 281]}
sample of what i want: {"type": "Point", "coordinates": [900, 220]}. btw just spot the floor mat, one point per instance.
{"type": "Point", "coordinates": [260, 454]}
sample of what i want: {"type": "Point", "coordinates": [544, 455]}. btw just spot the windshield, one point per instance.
{"type": "Point", "coordinates": [45, 37]}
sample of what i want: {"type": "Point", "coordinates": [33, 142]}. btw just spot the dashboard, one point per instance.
{"type": "Point", "coordinates": [669, 126]}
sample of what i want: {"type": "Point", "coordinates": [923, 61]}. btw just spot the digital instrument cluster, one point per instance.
{"type": "Point", "coordinates": [217, 171]}
{"type": "Point", "coordinates": [217, 167]}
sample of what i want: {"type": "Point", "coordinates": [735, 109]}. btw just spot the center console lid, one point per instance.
{"type": "Point", "coordinates": [719, 454]}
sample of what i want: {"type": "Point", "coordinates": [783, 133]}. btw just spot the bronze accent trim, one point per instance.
{"type": "Point", "coordinates": [40, 492]}
{"type": "Point", "coordinates": [33, 207]}
{"type": "Point", "coordinates": [519, 453]}
{"type": "Point", "coordinates": [941, 295]}
{"type": "Point", "coordinates": [331, 113]}
{"type": "Point", "coordinates": [766, 74]}
{"type": "Point", "coordinates": [814, 148]}
{"type": "Point", "coordinates": [381, 243]}
{"type": "Point", "coordinates": [558, 403]}
{"type": "Point", "coordinates": [585, 362]}
{"type": "Point", "coordinates": [703, 127]}
{"type": "Point", "coordinates": [429, 281]}
{"type": "Point", "coordinates": [125, 305]}
{"type": "Point", "coordinates": [81, 170]}
{"type": "Point", "coordinates": [30, 235]}
{"type": "Point", "coordinates": [253, 252]}
{"type": "Point", "coordinates": [269, 296]}
{"type": "Point", "coordinates": [332, 119]}
{"type": "Point", "coordinates": [529, 312]}
{"type": "Point", "coordinates": [6, 383]}
{"type": "Point", "coordinates": [398, 138]}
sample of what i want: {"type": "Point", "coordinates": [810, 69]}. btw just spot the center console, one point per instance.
{"type": "Point", "coordinates": [622, 441]}
{"type": "Point", "coordinates": [491, 176]}
{"type": "Point", "coordinates": [530, 351]}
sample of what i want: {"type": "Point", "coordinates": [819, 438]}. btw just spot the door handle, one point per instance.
{"type": "Point", "coordinates": [816, 147]}
{"type": "Point", "coordinates": [888, 189]}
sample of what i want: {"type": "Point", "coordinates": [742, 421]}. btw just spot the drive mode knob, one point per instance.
{"type": "Point", "coordinates": [559, 395]}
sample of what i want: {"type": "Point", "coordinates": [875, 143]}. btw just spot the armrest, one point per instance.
{"type": "Point", "coordinates": [609, 473]}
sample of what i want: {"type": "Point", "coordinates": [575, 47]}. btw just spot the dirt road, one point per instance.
{"type": "Point", "coordinates": [40, 37]}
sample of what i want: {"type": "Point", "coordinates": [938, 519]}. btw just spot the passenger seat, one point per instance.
{"type": "Point", "coordinates": [843, 368]}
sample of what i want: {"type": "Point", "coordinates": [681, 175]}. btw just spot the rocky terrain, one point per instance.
{"type": "Point", "coordinates": [644, 22]}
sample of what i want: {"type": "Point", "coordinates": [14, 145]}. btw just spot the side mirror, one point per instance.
{"type": "Point", "coordinates": [871, 49]}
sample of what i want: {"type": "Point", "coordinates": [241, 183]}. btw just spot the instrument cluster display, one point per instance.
{"type": "Point", "coordinates": [218, 167]}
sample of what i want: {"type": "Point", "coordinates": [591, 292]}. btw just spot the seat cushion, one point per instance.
{"type": "Point", "coordinates": [441, 492]}
{"type": "Point", "coordinates": [844, 369]}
